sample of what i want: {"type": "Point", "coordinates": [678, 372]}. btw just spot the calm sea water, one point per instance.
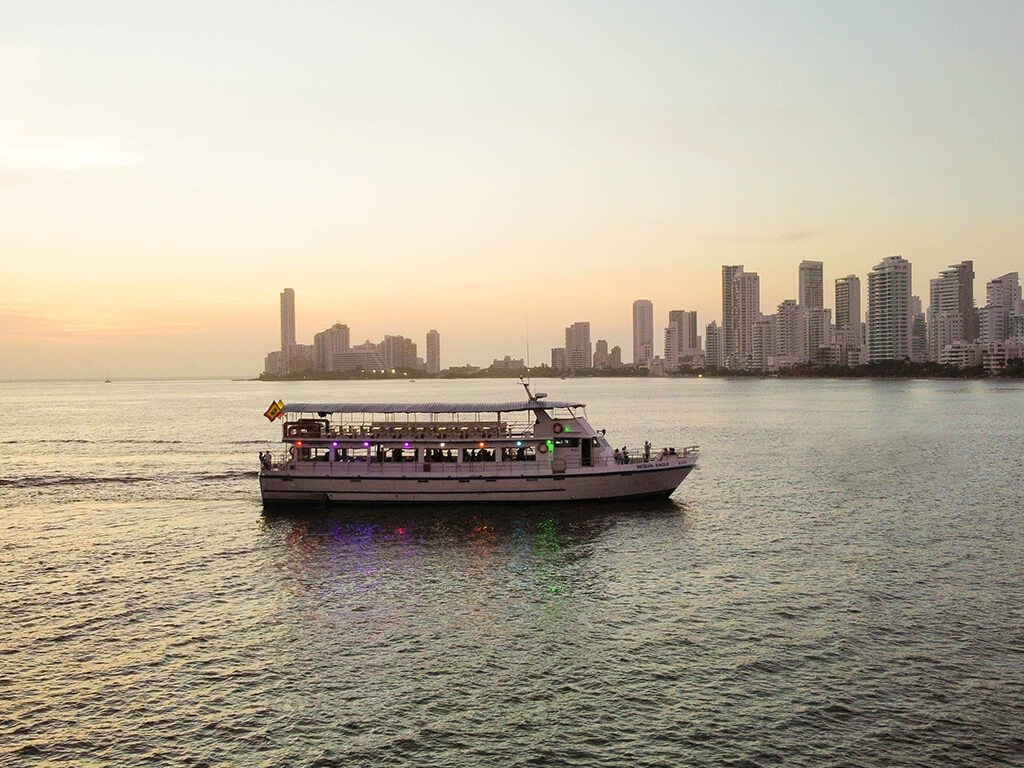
{"type": "Point", "coordinates": [839, 583]}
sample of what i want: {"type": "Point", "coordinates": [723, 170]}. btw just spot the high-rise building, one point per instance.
{"type": "Point", "coordinates": [671, 358]}
{"type": "Point", "coordinates": [741, 308]}
{"type": "Point", "coordinates": [615, 357]}
{"type": "Point", "coordinates": [398, 352]}
{"type": "Point", "coordinates": [681, 339]}
{"type": "Point", "coordinates": [558, 358]}
{"type": "Point", "coordinates": [791, 333]}
{"type": "Point", "coordinates": [951, 294]}
{"type": "Point", "coordinates": [287, 319]}
{"type": "Point", "coordinates": [918, 332]}
{"type": "Point", "coordinates": [1002, 297]}
{"type": "Point", "coordinates": [328, 343]}
{"type": "Point", "coordinates": [811, 285]}
{"type": "Point", "coordinates": [273, 363]}
{"type": "Point", "coordinates": [433, 351]}
{"type": "Point", "coordinates": [889, 317]}
{"type": "Point", "coordinates": [819, 326]}
{"type": "Point", "coordinates": [848, 310]}
{"type": "Point", "coordinates": [643, 332]}
{"type": "Point", "coordinates": [713, 344]}
{"type": "Point", "coordinates": [764, 343]}
{"type": "Point", "coordinates": [578, 352]}
{"type": "Point", "coordinates": [601, 361]}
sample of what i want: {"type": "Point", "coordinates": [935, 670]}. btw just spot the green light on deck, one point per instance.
{"type": "Point", "coordinates": [518, 443]}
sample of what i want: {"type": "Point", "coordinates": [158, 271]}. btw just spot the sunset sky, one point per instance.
{"type": "Point", "coordinates": [493, 170]}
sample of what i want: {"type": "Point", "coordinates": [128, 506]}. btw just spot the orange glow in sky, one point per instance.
{"type": "Point", "coordinates": [496, 172]}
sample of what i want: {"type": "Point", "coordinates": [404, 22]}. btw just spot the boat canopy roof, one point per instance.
{"type": "Point", "coordinates": [506, 407]}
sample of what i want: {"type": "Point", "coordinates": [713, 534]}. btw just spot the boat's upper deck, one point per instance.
{"type": "Point", "coordinates": [434, 409]}
{"type": "Point", "coordinates": [433, 421]}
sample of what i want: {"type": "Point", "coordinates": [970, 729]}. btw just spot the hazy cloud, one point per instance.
{"type": "Point", "coordinates": [24, 328]}
{"type": "Point", "coordinates": [781, 237]}
{"type": "Point", "coordinates": [16, 65]}
{"type": "Point", "coordinates": [62, 156]}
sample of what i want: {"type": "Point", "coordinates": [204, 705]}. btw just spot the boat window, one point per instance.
{"type": "Point", "coordinates": [571, 442]}
{"type": "Point", "coordinates": [479, 454]}
{"type": "Point", "coordinates": [522, 453]}
{"type": "Point", "coordinates": [397, 455]}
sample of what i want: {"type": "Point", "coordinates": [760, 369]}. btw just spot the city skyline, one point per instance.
{"type": "Point", "coordinates": [496, 174]}
{"type": "Point", "coordinates": [894, 327]}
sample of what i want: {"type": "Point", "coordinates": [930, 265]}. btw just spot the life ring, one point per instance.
{"type": "Point", "coordinates": [558, 428]}
{"type": "Point", "coordinates": [542, 448]}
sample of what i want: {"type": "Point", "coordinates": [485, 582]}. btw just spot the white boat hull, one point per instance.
{"type": "Point", "coordinates": [349, 483]}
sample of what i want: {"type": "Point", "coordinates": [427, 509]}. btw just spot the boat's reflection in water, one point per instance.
{"type": "Point", "coordinates": [368, 547]}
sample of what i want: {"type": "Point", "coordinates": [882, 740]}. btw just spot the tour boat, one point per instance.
{"type": "Point", "coordinates": [532, 450]}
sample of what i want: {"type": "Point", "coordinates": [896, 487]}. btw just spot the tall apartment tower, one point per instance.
{"type": "Point", "coordinates": [615, 357]}
{"type": "Point", "coordinates": [791, 333]}
{"type": "Point", "coordinates": [601, 358]}
{"type": "Point", "coordinates": [918, 332]}
{"type": "Point", "coordinates": [681, 339]}
{"type": "Point", "coordinates": [433, 351]}
{"type": "Point", "coordinates": [1002, 299]}
{"type": "Point", "coordinates": [287, 319]}
{"type": "Point", "coordinates": [812, 292]}
{"type": "Point", "coordinates": [578, 354]}
{"type": "Point", "coordinates": [766, 338]}
{"type": "Point", "coordinates": [643, 332]}
{"type": "Point", "coordinates": [398, 352]}
{"type": "Point", "coordinates": [951, 313]}
{"type": "Point", "coordinates": [558, 358]}
{"type": "Point", "coordinates": [713, 344]}
{"type": "Point", "coordinates": [327, 344]}
{"type": "Point", "coordinates": [889, 317]}
{"type": "Point", "coordinates": [741, 308]}
{"type": "Point", "coordinates": [818, 327]}
{"type": "Point", "coordinates": [848, 310]}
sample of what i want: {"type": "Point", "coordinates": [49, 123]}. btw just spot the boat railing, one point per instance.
{"type": "Point", "coordinates": [412, 431]}
{"type": "Point", "coordinates": [359, 464]}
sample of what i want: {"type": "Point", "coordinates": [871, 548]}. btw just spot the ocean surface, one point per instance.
{"type": "Point", "coordinates": [839, 583]}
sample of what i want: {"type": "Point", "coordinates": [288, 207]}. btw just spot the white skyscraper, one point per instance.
{"type": "Point", "coordinates": [327, 344]}
{"type": "Point", "coordinates": [889, 316]}
{"type": "Point", "coordinates": [287, 319]}
{"type": "Point", "coordinates": [681, 339]}
{"type": "Point", "coordinates": [791, 333]}
{"type": "Point", "coordinates": [433, 351]}
{"type": "Point", "coordinates": [811, 285]}
{"type": "Point", "coordinates": [819, 325]}
{"type": "Point", "coordinates": [951, 313]}
{"type": "Point", "coordinates": [558, 358]}
{"type": "Point", "coordinates": [643, 332]}
{"type": "Point", "coordinates": [578, 352]}
{"type": "Point", "coordinates": [765, 342]}
{"type": "Point", "coordinates": [848, 310]}
{"type": "Point", "coordinates": [713, 344]}
{"type": "Point", "coordinates": [741, 308]}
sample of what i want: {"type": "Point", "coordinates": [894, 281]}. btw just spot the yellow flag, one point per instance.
{"type": "Point", "coordinates": [274, 411]}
